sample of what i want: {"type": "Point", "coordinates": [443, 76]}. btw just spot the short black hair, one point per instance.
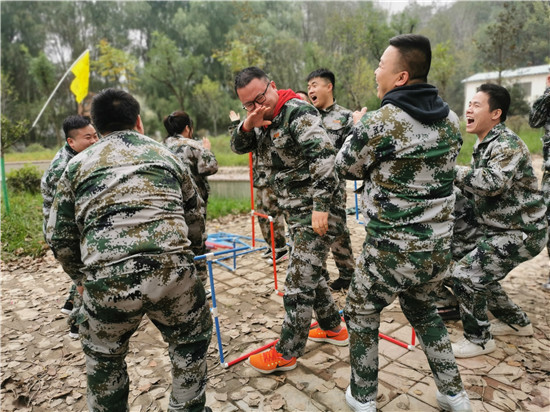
{"type": "Point", "coordinates": [324, 74]}
{"type": "Point", "coordinates": [499, 98]}
{"type": "Point", "coordinates": [245, 76]}
{"type": "Point", "coordinates": [176, 122]}
{"type": "Point", "coordinates": [74, 122]}
{"type": "Point", "coordinates": [417, 54]}
{"type": "Point", "coordinates": [114, 110]}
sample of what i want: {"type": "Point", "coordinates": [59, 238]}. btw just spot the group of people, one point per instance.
{"type": "Point", "coordinates": [128, 218]}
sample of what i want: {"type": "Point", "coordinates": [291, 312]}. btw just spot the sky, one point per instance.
{"type": "Point", "coordinates": [395, 6]}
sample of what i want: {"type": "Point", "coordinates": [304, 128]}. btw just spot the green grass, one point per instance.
{"type": "Point", "coordinates": [224, 155]}
{"type": "Point", "coordinates": [22, 228]}
{"type": "Point", "coordinates": [218, 207]}
{"type": "Point", "coordinates": [47, 154]}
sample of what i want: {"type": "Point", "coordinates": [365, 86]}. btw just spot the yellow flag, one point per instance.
{"type": "Point", "coordinates": [81, 70]}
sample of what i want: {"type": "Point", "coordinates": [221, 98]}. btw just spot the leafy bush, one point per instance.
{"type": "Point", "coordinates": [24, 179]}
{"type": "Point", "coordinates": [35, 147]}
{"type": "Point", "coordinates": [22, 228]}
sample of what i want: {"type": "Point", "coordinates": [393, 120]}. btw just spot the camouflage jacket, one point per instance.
{"type": "Point", "coordinates": [539, 116]}
{"type": "Point", "coordinates": [124, 197]}
{"type": "Point", "coordinates": [338, 122]}
{"type": "Point", "coordinates": [299, 154]}
{"type": "Point", "coordinates": [502, 183]}
{"type": "Point", "coordinates": [48, 184]}
{"type": "Point", "coordinates": [201, 161]}
{"type": "Point", "coordinates": [408, 172]}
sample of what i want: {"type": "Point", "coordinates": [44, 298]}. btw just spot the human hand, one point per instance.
{"type": "Point", "coordinates": [358, 114]}
{"type": "Point", "coordinates": [80, 290]}
{"type": "Point", "coordinates": [319, 222]}
{"type": "Point", "coordinates": [206, 143]}
{"type": "Point", "coordinates": [548, 81]}
{"type": "Point", "coordinates": [234, 116]}
{"type": "Point", "coordinates": [255, 118]}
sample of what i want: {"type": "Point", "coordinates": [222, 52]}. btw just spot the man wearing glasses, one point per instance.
{"type": "Point", "coordinates": [287, 133]}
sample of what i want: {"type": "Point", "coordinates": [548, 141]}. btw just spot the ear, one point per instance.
{"type": "Point", "coordinates": [139, 125]}
{"type": "Point", "coordinates": [403, 79]}
{"type": "Point", "coordinates": [495, 114]}
{"type": "Point", "coordinates": [70, 141]}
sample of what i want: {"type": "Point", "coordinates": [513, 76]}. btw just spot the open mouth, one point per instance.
{"type": "Point", "coordinates": [312, 97]}
{"type": "Point", "coordinates": [469, 121]}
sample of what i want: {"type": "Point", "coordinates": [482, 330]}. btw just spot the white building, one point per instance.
{"type": "Point", "coordinates": [531, 79]}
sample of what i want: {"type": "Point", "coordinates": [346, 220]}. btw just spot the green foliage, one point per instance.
{"type": "Point", "coordinates": [219, 206]}
{"type": "Point", "coordinates": [12, 132]}
{"type": "Point", "coordinates": [22, 228]}
{"type": "Point", "coordinates": [24, 179]}
{"type": "Point", "coordinates": [115, 66]}
{"type": "Point", "coordinates": [46, 154]}
{"type": "Point", "coordinates": [34, 148]}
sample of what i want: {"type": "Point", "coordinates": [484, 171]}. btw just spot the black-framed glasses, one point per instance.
{"type": "Point", "coordinates": [260, 99]}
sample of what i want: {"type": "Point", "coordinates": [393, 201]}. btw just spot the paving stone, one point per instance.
{"type": "Point", "coordinates": [406, 402]}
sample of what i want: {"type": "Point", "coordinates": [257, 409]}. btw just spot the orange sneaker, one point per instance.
{"type": "Point", "coordinates": [271, 361]}
{"type": "Point", "coordinates": [339, 339]}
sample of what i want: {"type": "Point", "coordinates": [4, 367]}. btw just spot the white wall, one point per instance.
{"type": "Point", "coordinates": [538, 85]}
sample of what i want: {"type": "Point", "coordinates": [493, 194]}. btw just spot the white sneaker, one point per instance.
{"type": "Point", "coordinates": [458, 403]}
{"type": "Point", "coordinates": [208, 292]}
{"type": "Point", "coordinates": [499, 328]}
{"type": "Point", "coordinates": [357, 406]}
{"type": "Point", "coordinates": [466, 349]}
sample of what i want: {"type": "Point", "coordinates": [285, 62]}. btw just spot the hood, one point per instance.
{"type": "Point", "coordinates": [420, 101]}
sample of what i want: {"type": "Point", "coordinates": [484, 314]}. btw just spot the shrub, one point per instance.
{"type": "Point", "coordinates": [34, 147]}
{"type": "Point", "coordinates": [24, 179]}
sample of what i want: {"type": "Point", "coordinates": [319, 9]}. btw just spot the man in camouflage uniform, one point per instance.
{"type": "Point", "coordinates": [202, 163]}
{"type": "Point", "coordinates": [265, 202]}
{"type": "Point", "coordinates": [338, 122]}
{"type": "Point", "coordinates": [540, 117]}
{"type": "Point", "coordinates": [79, 135]}
{"type": "Point", "coordinates": [404, 153]}
{"type": "Point", "coordinates": [510, 224]}
{"type": "Point", "coordinates": [123, 202]}
{"type": "Point", "coordinates": [289, 131]}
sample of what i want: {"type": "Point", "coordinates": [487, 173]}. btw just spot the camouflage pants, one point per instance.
{"type": "Point", "coordinates": [306, 288]}
{"type": "Point", "coordinates": [475, 279]}
{"type": "Point", "coordinates": [266, 203]}
{"type": "Point", "coordinates": [341, 247]}
{"type": "Point", "coordinates": [380, 277]}
{"type": "Point", "coordinates": [167, 290]}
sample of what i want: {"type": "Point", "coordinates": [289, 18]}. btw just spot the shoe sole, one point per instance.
{"type": "Point", "coordinates": [73, 335]}
{"type": "Point", "coordinates": [66, 311]}
{"type": "Point", "coordinates": [280, 368]}
{"type": "Point", "coordinates": [331, 341]}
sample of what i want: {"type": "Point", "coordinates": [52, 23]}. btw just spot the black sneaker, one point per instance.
{"type": "Point", "coordinates": [339, 284]}
{"type": "Point", "coordinates": [279, 257]}
{"type": "Point", "coordinates": [449, 312]}
{"type": "Point", "coordinates": [73, 333]}
{"type": "Point", "coordinates": [207, 409]}
{"type": "Point", "coordinates": [67, 307]}
{"type": "Point", "coordinates": [266, 254]}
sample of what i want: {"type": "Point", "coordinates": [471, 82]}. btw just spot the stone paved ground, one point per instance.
{"type": "Point", "coordinates": [42, 369]}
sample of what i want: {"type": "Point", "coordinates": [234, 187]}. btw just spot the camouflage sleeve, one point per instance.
{"type": "Point", "coordinates": [48, 190]}
{"type": "Point", "coordinates": [306, 125]}
{"type": "Point", "coordinates": [497, 176]}
{"type": "Point", "coordinates": [193, 204]}
{"type": "Point", "coordinates": [355, 156]}
{"type": "Point", "coordinates": [206, 162]}
{"type": "Point", "coordinates": [243, 142]}
{"type": "Point", "coordinates": [62, 232]}
{"type": "Point", "coordinates": [540, 111]}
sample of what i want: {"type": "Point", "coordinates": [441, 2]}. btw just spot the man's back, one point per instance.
{"type": "Point", "coordinates": [407, 168]}
{"type": "Point", "coordinates": [128, 202]}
